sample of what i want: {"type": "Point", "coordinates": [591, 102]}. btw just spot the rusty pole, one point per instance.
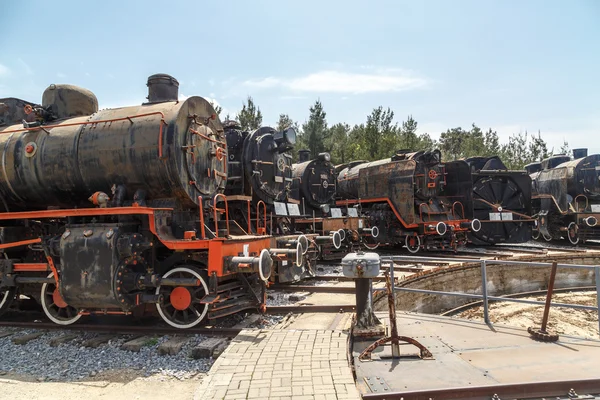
{"type": "Point", "coordinates": [549, 297]}
{"type": "Point", "coordinates": [389, 283]}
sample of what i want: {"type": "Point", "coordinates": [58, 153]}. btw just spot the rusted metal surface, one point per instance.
{"type": "Point", "coordinates": [313, 289]}
{"type": "Point", "coordinates": [572, 389]}
{"type": "Point", "coordinates": [114, 147]}
{"type": "Point", "coordinates": [333, 308]}
{"type": "Point", "coordinates": [123, 328]}
{"type": "Point", "coordinates": [501, 201]}
{"type": "Point", "coordinates": [315, 182]}
{"type": "Point", "coordinates": [469, 355]}
{"type": "Point", "coordinates": [542, 333]}
{"type": "Point", "coordinates": [394, 338]}
{"type": "Point", "coordinates": [565, 194]}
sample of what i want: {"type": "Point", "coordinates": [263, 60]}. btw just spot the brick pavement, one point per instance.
{"type": "Point", "coordinates": [282, 364]}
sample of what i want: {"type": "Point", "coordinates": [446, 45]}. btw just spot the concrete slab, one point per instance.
{"type": "Point", "coordinates": [26, 338]}
{"type": "Point", "coordinates": [173, 345]}
{"type": "Point", "coordinates": [211, 347]}
{"type": "Point", "coordinates": [98, 340]}
{"type": "Point", "coordinates": [57, 341]}
{"type": "Point", "coordinates": [136, 344]}
{"type": "Point", "coordinates": [470, 353]}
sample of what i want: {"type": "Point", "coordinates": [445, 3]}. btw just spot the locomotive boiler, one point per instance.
{"type": "Point", "coordinates": [260, 163]}
{"type": "Point", "coordinates": [109, 211]}
{"type": "Point", "coordinates": [413, 198]}
{"type": "Point", "coordinates": [566, 196]}
{"type": "Point", "coordinates": [501, 201]}
{"type": "Point", "coordinates": [315, 183]}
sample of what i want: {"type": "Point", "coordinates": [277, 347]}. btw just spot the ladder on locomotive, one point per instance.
{"type": "Point", "coordinates": [224, 226]}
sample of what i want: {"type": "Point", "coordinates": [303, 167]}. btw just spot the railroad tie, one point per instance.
{"type": "Point", "coordinates": [26, 338]}
{"type": "Point", "coordinates": [139, 342]}
{"type": "Point", "coordinates": [98, 340]}
{"type": "Point", "coordinates": [57, 341]}
{"type": "Point", "coordinates": [173, 345]}
{"type": "Point", "coordinates": [211, 347]}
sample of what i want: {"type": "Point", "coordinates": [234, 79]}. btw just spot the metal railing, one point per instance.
{"type": "Point", "coordinates": [484, 296]}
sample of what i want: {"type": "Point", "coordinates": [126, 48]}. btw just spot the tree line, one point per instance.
{"type": "Point", "coordinates": [381, 135]}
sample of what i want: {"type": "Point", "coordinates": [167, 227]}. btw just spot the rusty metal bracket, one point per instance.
{"type": "Point", "coordinates": [425, 354]}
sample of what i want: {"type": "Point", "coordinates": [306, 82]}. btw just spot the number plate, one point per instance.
{"type": "Point", "coordinates": [505, 216]}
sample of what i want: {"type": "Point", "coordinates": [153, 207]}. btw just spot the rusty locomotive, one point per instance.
{"type": "Point", "coordinates": [265, 191]}
{"type": "Point", "coordinates": [566, 197]}
{"type": "Point", "coordinates": [501, 201]}
{"type": "Point", "coordinates": [413, 198]}
{"type": "Point", "coordinates": [122, 211]}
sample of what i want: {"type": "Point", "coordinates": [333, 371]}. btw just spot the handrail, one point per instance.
{"type": "Point", "coordinates": [201, 217]}
{"type": "Point", "coordinates": [263, 230]}
{"type": "Point", "coordinates": [577, 204]}
{"type": "Point", "coordinates": [101, 121]}
{"type": "Point", "coordinates": [249, 218]}
{"type": "Point", "coordinates": [421, 212]}
{"type": "Point", "coordinates": [221, 210]}
{"type": "Point", "coordinates": [484, 292]}
{"type": "Point", "coordinates": [461, 206]}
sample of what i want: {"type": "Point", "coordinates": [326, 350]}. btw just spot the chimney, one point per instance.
{"type": "Point", "coordinates": [303, 155]}
{"type": "Point", "coordinates": [161, 88]}
{"type": "Point", "coordinates": [580, 153]}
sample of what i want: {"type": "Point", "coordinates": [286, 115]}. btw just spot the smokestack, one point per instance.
{"type": "Point", "coordinates": [303, 155]}
{"type": "Point", "coordinates": [161, 88]}
{"type": "Point", "coordinates": [580, 153]}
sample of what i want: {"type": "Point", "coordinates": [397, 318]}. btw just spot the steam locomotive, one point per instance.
{"type": "Point", "coordinates": [501, 201]}
{"type": "Point", "coordinates": [566, 197]}
{"type": "Point", "coordinates": [315, 188]}
{"type": "Point", "coordinates": [413, 199]}
{"type": "Point", "coordinates": [107, 212]}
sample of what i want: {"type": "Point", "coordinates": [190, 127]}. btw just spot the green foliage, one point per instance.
{"type": "Point", "coordinates": [380, 136]}
{"type": "Point", "coordinates": [339, 142]}
{"type": "Point", "coordinates": [315, 134]}
{"type": "Point", "coordinates": [250, 118]}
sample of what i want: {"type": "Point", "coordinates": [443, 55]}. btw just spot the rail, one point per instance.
{"type": "Point", "coordinates": [485, 297]}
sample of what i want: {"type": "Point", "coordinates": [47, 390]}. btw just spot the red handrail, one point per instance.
{"type": "Point", "coordinates": [221, 210]}
{"type": "Point", "coordinates": [101, 121]}
{"type": "Point", "coordinates": [249, 219]}
{"type": "Point", "coordinates": [201, 217]}
{"type": "Point", "coordinates": [421, 211]}
{"type": "Point", "coordinates": [461, 205]}
{"type": "Point", "coordinates": [258, 230]}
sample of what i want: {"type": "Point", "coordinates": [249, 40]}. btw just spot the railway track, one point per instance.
{"type": "Point", "coordinates": [465, 307]}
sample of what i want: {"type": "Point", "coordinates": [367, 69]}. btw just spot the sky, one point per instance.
{"type": "Point", "coordinates": [510, 65]}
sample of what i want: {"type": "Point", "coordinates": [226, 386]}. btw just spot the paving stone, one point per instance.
{"type": "Point", "coordinates": [98, 340]}
{"type": "Point", "coordinates": [26, 338]}
{"type": "Point", "coordinates": [173, 345]}
{"type": "Point", "coordinates": [57, 341]}
{"type": "Point", "coordinates": [137, 343]}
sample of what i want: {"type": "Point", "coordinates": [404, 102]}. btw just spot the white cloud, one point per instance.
{"type": "Point", "coordinates": [61, 75]}
{"type": "Point", "coordinates": [4, 71]}
{"type": "Point", "coordinates": [332, 81]}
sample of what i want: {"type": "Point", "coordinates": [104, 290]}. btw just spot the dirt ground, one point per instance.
{"type": "Point", "coordinates": [565, 321]}
{"type": "Point", "coordinates": [114, 385]}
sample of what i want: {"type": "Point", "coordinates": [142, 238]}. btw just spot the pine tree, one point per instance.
{"type": "Point", "coordinates": [314, 131]}
{"type": "Point", "coordinates": [250, 118]}
{"type": "Point", "coordinates": [339, 142]}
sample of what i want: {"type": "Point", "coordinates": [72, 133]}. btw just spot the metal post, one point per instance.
{"type": "Point", "coordinates": [484, 292]}
{"type": "Point", "coordinates": [598, 295]}
{"type": "Point", "coordinates": [549, 298]}
{"type": "Point", "coordinates": [392, 309]}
